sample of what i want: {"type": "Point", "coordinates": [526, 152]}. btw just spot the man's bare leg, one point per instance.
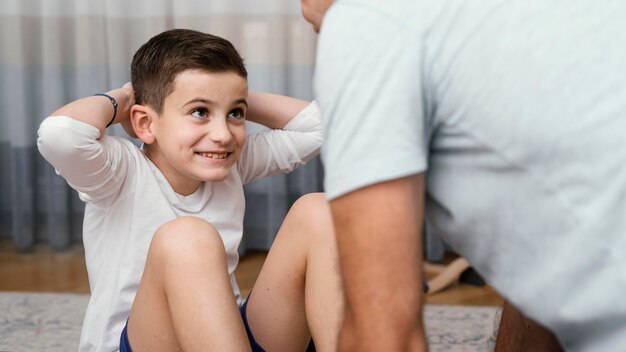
{"type": "Point", "coordinates": [517, 333]}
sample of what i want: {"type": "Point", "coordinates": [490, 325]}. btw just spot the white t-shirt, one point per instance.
{"type": "Point", "coordinates": [516, 112]}
{"type": "Point", "coordinates": [128, 198]}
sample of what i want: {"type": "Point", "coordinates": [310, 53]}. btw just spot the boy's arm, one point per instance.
{"type": "Point", "coordinates": [272, 110]}
{"type": "Point", "coordinates": [71, 139]}
{"type": "Point", "coordinates": [98, 110]}
{"type": "Point", "coordinates": [295, 136]}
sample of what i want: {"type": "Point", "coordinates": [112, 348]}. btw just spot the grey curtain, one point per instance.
{"type": "Point", "coordinates": [55, 51]}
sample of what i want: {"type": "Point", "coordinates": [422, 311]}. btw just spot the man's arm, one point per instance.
{"type": "Point", "coordinates": [379, 231]}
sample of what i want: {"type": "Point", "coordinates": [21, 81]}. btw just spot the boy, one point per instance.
{"type": "Point", "coordinates": [163, 223]}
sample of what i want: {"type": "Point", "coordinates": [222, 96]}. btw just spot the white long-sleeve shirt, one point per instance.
{"type": "Point", "coordinates": [128, 198]}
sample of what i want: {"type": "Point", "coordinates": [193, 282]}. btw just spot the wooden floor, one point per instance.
{"type": "Point", "coordinates": [43, 270]}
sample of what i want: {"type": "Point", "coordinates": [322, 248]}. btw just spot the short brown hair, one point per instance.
{"type": "Point", "coordinates": [157, 63]}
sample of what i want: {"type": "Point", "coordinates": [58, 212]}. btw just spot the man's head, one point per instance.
{"type": "Point", "coordinates": [190, 91]}
{"type": "Point", "coordinates": [313, 11]}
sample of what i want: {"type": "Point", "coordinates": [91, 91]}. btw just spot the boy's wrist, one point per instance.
{"type": "Point", "coordinates": [114, 103]}
{"type": "Point", "coordinates": [125, 100]}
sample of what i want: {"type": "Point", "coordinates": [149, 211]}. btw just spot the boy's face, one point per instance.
{"type": "Point", "coordinates": [201, 131]}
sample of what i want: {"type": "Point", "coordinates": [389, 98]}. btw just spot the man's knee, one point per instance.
{"type": "Point", "coordinates": [187, 236]}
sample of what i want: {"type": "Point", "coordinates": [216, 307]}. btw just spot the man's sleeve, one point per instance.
{"type": "Point", "coordinates": [369, 85]}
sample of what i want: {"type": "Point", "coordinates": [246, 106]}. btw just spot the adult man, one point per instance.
{"type": "Point", "coordinates": [508, 119]}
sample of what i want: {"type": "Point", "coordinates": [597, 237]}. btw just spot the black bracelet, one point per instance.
{"type": "Point", "coordinates": [114, 102]}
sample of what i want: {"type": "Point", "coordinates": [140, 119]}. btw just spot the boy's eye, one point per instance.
{"type": "Point", "coordinates": [200, 113]}
{"type": "Point", "coordinates": [237, 114]}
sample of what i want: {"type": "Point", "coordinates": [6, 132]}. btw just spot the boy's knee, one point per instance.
{"type": "Point", "coordinates": [312, 210]}
{"type": "Point", "coordinates": [186, 236]}
{"type": "Point", "coordinates": [311, 205]}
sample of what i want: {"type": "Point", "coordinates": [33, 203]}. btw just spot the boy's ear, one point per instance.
{"type": "Point", "coordinates": [142, 118]}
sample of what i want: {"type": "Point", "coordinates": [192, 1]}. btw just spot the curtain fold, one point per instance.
{"type": "Point", "coordinates": [56, 51]}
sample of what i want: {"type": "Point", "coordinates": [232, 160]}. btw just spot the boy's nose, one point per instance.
{"type": "Point", "coordinates": [219, 132]}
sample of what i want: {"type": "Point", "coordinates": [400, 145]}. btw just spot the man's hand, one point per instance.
{"type": "Point", "coordinates": [379, 238]}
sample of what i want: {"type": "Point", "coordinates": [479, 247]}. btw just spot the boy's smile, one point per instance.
{"type": "Point", "coordinates": [201, 131]}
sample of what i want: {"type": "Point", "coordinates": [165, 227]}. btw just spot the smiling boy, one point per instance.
{"type": "Point", "coordinates": [184, 154]}
{"type": "Point", "coordinates": [163, 223]}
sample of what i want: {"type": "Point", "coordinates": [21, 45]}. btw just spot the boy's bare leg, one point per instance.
{"type": "Point", "coordinates": [517, 333]}
{"type": "Point", "coordinates": [185, 300]}
{"type": "Point", "coordinates": [299, 291]}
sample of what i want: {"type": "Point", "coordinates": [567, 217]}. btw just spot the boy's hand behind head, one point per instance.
{"type": "Point", "coordinates": [125, 122]}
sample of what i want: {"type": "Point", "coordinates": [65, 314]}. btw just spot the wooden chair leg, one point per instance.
{"type": "Point", "coordinates": [446, 274]}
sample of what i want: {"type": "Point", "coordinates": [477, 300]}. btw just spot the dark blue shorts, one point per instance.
{"type": "Point", "coordinates": [125, 345]}
{"type": "Point", "coordinates": [253, 345]}
{"type": "Point", "coordinates": [244, 317]}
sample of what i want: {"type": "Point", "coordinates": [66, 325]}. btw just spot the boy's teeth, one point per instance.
{"type": "Point", "coordinates": [214, 156]}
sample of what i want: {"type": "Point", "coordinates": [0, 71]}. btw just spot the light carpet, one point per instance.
{"type": "Point", "coordinates": [51, 322]}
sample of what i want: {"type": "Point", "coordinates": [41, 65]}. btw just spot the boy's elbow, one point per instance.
{"type": "Point", "coordinates": [45, 136]}
{"type": "Point", "coordinates": [54, 139]}
{"type": "Point", "coordinates": [48, 142]}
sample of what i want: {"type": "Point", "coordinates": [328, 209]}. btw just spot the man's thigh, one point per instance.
{"type": "Point", "coordinates": [517, 333]}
